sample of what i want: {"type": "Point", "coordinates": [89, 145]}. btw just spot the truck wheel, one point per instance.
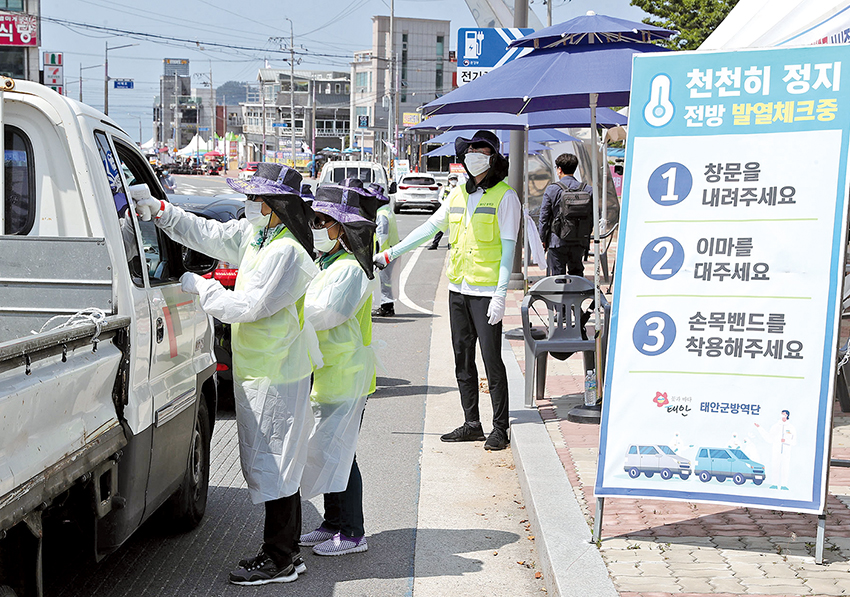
{"type": "Point", "coordinates": [705, 476]}
{"type": "Point", "coordinates": [666, 474]}
{"type": "Point", "coordinates": [738, 479]}
{"type": "Point", "coordinates": [189, 503]}
{"type": "Point", "coordinates": [7, 591]}
{"type": "Point", "coordinates": [634, 473]}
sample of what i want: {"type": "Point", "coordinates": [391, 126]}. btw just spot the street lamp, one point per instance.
{"type": "Point", "coordinates": [82, 68]}
{"type": "Point", "coordinates": [106, 73]}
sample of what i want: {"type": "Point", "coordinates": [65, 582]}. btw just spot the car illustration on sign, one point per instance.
{"type": "Point", "coordinates": [723, 463]}
{"type": "Point", "coordinates": [655, 458]}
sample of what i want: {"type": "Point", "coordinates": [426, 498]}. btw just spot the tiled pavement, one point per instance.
{"type": "Point", "coordinates": [661, 548]}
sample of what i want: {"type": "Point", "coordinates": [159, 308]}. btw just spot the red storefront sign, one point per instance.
{"type": "Point", "coordinates": [18, 29]}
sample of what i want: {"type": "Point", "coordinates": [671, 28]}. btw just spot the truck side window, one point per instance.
{"type": "Point", "coordinates": [20, 183]}
{"type": "Point", "coordinates": [160, 267]}
{"type": "Point", "coordinates": [122, 208]}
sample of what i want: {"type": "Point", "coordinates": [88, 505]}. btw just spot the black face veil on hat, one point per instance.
{"type": "Point", "coordinates": [280, 188]}
{"type": "Point", "coordinates": [350, 205]}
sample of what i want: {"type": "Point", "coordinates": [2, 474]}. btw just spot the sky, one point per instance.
{"type": "Point", "coordinates": [327, 32]}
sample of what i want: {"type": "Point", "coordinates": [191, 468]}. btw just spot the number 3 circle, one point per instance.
{"type": "Point", "coordinates": [662, 258]}
{"type": "Point", "coordinates": [654, 333]}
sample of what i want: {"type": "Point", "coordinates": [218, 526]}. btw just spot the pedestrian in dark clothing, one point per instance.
{"type": "Point", "coordinates": [565, 243]}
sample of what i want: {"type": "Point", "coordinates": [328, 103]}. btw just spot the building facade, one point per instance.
{"type": "Point", "coordinates": [423, 71]}
{"type": "Point", "coordinates": [181, 111]}
{"type": "Point", "coordinates": [20, 38]}
{"type": "Point", "coordinates": [319, 117]}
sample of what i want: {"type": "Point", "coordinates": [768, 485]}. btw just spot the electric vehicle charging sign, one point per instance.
{"type": "Point", "coordinates": [481, 50]}
{"type": "Point", "coordinates": [724, 328]}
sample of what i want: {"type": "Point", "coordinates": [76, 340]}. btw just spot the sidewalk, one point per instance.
{"type": "Point", "coordinates": [658, 548]}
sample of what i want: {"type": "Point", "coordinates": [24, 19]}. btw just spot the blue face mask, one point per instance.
{"type": "Point", "coordinates": [254, 214]}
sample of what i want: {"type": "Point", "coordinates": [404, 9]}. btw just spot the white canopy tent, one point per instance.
{"type": "Point", "coordinates": [148, 145]}
{"type": "Point", "coordinates": [769, 23]}
{"type": "Point", "coordinates": [196, 144]}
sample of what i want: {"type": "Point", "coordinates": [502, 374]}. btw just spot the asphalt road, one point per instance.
{"type": "Point", "coordinates": [158, 563]}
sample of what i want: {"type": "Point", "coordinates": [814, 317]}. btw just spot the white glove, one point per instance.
{"type": "Point", "coordinates": [148, 208]}
{"type": "Point", "coordinates": [189, 282]}
{"type": "Point", "coordinates": [496, 310]}
{"type": "Point", "coordinates": [381, 260]}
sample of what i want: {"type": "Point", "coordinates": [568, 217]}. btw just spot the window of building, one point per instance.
{"type": "Point", "coordinates": [20, 183]}
{"type": "Point", "coordinates": [299, 124]}
{"type": "Point", "coordinates": [12, 63]}
{"type": "Point", "coordinates": [338, 88]}
{"type": "Point", "coordinates": [403, 66]}
{"type": "Point", "coordinates": [363, 82]}
{"type": "Point", "coordinates": [348, 88]}
{"type": "Point", "coordinates": [13, 5]}
{"type": "Point", "coordinates": [440, 44]}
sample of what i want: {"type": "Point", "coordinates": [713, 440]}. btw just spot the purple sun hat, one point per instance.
{"type": "Point", "coordinates": [269, 179]}
{"type": "Point", "coordinates": [344, 202]}
{"type": "Point", "coordinates": [377, 191]}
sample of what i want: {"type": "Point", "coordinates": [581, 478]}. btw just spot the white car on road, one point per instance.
{"type": "Point", "coordinates": [418, 190]}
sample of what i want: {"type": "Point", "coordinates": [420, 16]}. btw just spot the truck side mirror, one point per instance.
{"type": "Point", "coordinates": [393, 188]}
{"type": "Point", "coordinates": [198, 263]}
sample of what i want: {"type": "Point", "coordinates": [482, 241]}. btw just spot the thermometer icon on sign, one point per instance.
{"type": "Point", "coordinates": [659, 109]}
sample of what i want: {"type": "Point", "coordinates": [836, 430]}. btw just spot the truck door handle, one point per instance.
{"type": "Point", "coordinates": [160, 330]}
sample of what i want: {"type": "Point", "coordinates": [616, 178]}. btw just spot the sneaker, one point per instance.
{"type": "Point", "coordinates": [498, 440]}
{"type": "Point", "coordinates": [262, 570]}
{"type": "Point", "coordinates": [312, 538]}
{"type": "Point", "coordinates": [385, 310]}
{"type": "Point", "coordinates": [468, 432]}
{"type": "Point", "coordinates": [297, 561]}
{"type": "Point", "coordinates": [432, 247]}
{"type": "Point", "coordinates": [339, 545]}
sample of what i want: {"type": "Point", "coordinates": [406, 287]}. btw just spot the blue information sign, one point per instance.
{"type": "Point", "coordinates": [727, 303]}
{"type": "Point", "coordinates": [123, 83]}
{"type": "Point", "coordinates": [481, 50]}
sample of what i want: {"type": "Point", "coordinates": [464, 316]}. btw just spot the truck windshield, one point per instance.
{"type": "Point", "coordinates": [739, 454]}
{"type": "Point", "coordinates": [667, 450]}
{"type": "Point", "coordinates": [341, 173]}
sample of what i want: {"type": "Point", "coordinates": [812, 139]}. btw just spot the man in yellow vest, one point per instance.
{"type": "Point", "coordinates": [482, 217]}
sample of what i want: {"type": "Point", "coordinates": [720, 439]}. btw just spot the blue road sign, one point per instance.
{"type": "Point", "coordinates": [481, 50]}
{"type": "Point", "coordinates": [278, 124]}
{"type": "Point", "coordinates": [203, 129]}
{"type": "Point", "coordinates": [123, 83]}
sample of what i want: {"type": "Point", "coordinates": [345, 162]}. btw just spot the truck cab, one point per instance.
{"type": "Point", "coordinates": [129, 418]}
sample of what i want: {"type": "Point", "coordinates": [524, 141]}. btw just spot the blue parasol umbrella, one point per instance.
{"type": "Point", "coordinates": [536, 136]}
{"type": "Point", "coordinates": [449, 148]}
{"type": "Point", "coordinates": [573, 117]}
{"type": "Point", "coordinates": [589, 29]}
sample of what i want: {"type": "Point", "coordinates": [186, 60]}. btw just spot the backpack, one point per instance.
{"type": "Point", "coordinates": [572, 223]}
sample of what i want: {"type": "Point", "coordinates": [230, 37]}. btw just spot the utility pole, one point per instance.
{"type": "Point", "coordinates": [516, 171]}
{"type": "Point", "coordinates": [291, 91]}
{"type": "Point", "coordinates": [263, 108]}
{"type": "Point", "coordinates": [549, 13]}
{"type": "Point", "coordinates": [390, 84]}
{"type": "Point", "coordinates": [212, 109]}
{"type": "Point", "coordinates": [315, 128]}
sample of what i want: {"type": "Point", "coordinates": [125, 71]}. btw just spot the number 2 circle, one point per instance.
{"type": "Point", "coordinates": [662, 258]}
{"type": "Point", "coordinates": [654, 333]}
{"type": "Point", "coordinates": [670, 183]}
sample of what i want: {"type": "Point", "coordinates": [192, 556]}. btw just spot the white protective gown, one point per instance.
{"type": "Point", "coordinates": [338, 305]}
{"type": "Point", "coordinates": [274, 350]}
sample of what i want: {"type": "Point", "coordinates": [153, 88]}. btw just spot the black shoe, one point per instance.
{"type": "Point", "coordinates": [468, 432]}
{"type": "Point", "coordinates": [297, 561]}
{"type": "Point", "coordinates": [432, 247]}
{"type": "Point", "coordinates": [498, 440]}
{"type": "Point", "coordinates": [385, 310]}
{"type": "Point", "coordinates": [262, 570]}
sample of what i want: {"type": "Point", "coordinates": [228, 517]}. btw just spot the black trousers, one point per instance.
{"type": "Point", "coordinates": [437, 238]}
{"type": "Point", "coordinates": [282, 529]}
{"type": "Point", "coordinates": [468, 319]}
{"type": "Point", "coordinates": [566, 259]}
{"type": "Point", "coordinates": [344, 510]}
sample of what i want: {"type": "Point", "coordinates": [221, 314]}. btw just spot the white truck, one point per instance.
{"type": "Point", "coordinates": [107, 371]}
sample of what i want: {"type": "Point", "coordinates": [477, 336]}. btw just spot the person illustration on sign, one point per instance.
{"type": "Point", "coordinates": [782, 436]}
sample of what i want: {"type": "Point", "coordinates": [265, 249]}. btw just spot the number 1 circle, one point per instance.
{"type": "Point", "coordinates": [670, 183]}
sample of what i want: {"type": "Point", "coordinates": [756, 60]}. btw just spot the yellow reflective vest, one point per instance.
{"type": "Point", "coordinates": [476, 245]}
{"type": "Point", "coordinates": [392, 238]}
{"type": "Point", "coordinates": [262, 348]}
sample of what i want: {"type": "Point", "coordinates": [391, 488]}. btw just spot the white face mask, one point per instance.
{"type": "Point", "coordinates": [477, 163]}
{"type": "Point", "coordinates": [322, 242]}
{"type": "Point", "coordinates": [453, 182]}
{"type": "Point", "coordinates": [254, 214]}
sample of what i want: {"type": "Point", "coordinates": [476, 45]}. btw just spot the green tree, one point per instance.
{"type": "Point", "coordinates": [693, 19]}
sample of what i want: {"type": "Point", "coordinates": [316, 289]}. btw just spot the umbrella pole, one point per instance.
{"type": "Point", "coordinates": [594, 161]}
{"type": "Point", "coordinates": [603, 224]}
{"type": "Point", "coordinates": [525, 243]}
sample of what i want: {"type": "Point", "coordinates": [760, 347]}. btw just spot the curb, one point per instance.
{"type": "Point", "coordinates": [571, 564]}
